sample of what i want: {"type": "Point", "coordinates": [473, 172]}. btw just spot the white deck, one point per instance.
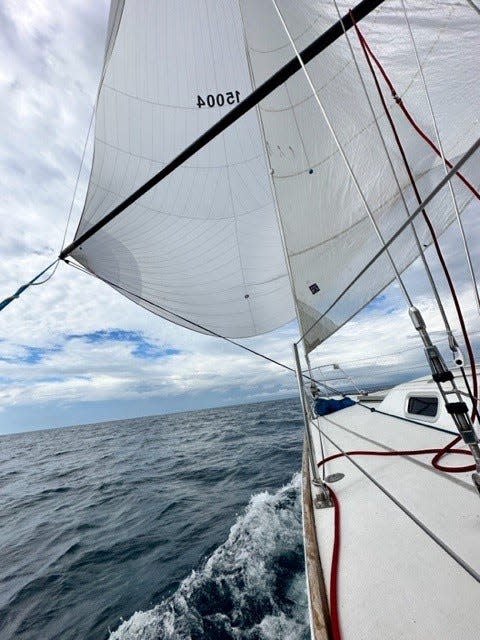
{"type": "Point", "coordinates": [395, 582]}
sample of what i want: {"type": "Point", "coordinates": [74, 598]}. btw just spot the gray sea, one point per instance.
{"type": "Point", "coordinates": [163, 527]}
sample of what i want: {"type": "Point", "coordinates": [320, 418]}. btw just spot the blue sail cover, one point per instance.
{"type": "Point", "coordinates": [324, 406]}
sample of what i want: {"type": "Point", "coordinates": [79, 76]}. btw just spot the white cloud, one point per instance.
{"type": "Point", "coordinates": [51, 58]}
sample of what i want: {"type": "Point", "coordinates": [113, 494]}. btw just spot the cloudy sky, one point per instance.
{"type": "Point", "coordinates": [73, 351]}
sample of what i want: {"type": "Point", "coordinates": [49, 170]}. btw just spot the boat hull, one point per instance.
{"type": "Point", "coordinates": [316, 591]}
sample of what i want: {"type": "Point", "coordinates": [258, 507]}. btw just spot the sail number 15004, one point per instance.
{"type": "Point", "coordinates": [219, 99]}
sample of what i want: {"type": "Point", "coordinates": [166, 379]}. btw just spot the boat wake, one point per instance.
{"type": "Point", "coordinates": [251, 588]}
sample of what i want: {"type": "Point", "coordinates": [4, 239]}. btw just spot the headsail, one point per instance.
{"type": "Point", "coordinates": [328, 234]}
{"type": "Point", "coordinates": [205, 244]}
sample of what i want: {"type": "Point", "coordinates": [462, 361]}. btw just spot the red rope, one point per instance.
{"type": "Point", "coordinates": [334, 614]}
{"type": "Point", "coordinates": [448, 449]}
{"type": "Point", "coordinates": [440, 452]}
{"type": "Point", "coordinates": [408, 115]}
{"type": "Point", "coordinates": [334, 571]}
{"type": "Point", "coordinates": [368, 53]}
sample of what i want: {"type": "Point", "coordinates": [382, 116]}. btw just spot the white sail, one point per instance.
{"type": "Point", "coordinates": [328, 234]}
{"type": "Point", "coordinates": [205, 244]}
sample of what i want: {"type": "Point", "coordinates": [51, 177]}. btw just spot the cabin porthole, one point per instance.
{"type": "Point", "coordinates": [425, 407]}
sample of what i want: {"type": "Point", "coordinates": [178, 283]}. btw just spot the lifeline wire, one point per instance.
{"type": "Point", "coordinates": [460, 561]}
{"type": "Point", "coordinates": [403, 419]}
{"type": "Point", "coordinates": [201, 327]}
{"type": "Point", "coordinates": [257, 353]}
{"type": "Point", "coordinates": [385, 355]}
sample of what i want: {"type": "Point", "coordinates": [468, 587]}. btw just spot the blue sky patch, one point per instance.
{"type": "Point", "coordinates": [141, 348]}
{"type": "Point", "coordinates": [378, 302]}
{"type": "Point", "coordinates": [30, 355]}
{"type": "Point", "coordinates": [382, 303]}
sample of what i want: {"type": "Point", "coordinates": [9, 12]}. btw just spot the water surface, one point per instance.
{"type": "Point", "coordinates": [179, 526]}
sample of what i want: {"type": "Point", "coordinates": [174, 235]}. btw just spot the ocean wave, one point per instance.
{"type": "Point", "coordinates": [252, 587]}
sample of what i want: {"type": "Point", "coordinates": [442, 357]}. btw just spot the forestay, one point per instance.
{"type": "Point", "coordinates": [206, 243]}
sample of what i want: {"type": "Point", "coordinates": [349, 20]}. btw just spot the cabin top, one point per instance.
{"type": "Point", "coordinates": [421, 400]}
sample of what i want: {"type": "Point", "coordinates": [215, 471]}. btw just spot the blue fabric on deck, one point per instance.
{"type": "Point", "coordinates": [324, 406]}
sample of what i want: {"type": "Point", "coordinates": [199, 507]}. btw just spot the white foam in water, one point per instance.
{"type": "Point", "coordinates": [251, 588]}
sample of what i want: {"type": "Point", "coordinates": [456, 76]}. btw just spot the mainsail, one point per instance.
{"type": "Point", "coordinates": [267, 220]}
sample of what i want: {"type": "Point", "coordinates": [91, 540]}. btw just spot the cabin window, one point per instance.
{"type": "Point", "coordinates": [423, 406]}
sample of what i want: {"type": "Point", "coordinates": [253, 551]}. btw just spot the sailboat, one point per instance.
{"type": "Point", "coordinates": [261, 160]}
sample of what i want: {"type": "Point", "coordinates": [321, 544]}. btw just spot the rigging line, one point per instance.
{"type": "Point", "coordinates": [428, 223]}
{"type": "Point", "coordinates": [80, 268]}
{"type": "Point", "coordinates": [443, 545]}
{"type": "Point", "coordinates": [447, 449]}
{"type": "Point", "coordinates": [50, 275]}
{"type": "Point", "coordinates": [237, 344]}
{"type": "Point", "coordinates": [411, 120]}
{"type": "Point", "coordinates": [466, 156]}
{"type": "Point", "coordinates": [290, 68]}
{"type": "Point", "coordinates": [337, 391]}
{"type": "Point", "coordinates": [269, 168]}
{"type": "Point", "coordinates": [344, 155]}
{"type": "Point", "coordinates": [474, 6]}
{"type": "Point", "coordinates": [440, 453]}
{"type": "Point", "coordinates": [350, 363]}
{"type": "Point", "coordinates": [199, 326]}
{"type": "Point", "coordinates": [78, 177]}
{"type": "Point", "coordinates": [401, 453]}
{"type": "Point", "coordinates": [435, 462]}
{"type": "Point", "coordinates": [403, 419]}
{"type": "Point", "coordinates": [390, 415]}
{"type": "Point", "coordinates": [397, 182]}
{"type": "Point", "coordinates": [57, 262]}
{"type": "Point", "coordinates": [182, 318]}
{"type": "Point", "coordinates": [385, 413]}
{"type": "Point", "coordinates": [373, 370]}
{"type": "Point", "coordinates": [470, 393]}
{"type": "Point", "coordinates": [84, 150]}
{"type": "Point", "coordinates": [428, 466]}
{"type": "Point", "coordinates": [25, 286]}
{"type": "Point", "coordinates": [322, 450]}
{"type": "Point", "coordinates": [442, 155]}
